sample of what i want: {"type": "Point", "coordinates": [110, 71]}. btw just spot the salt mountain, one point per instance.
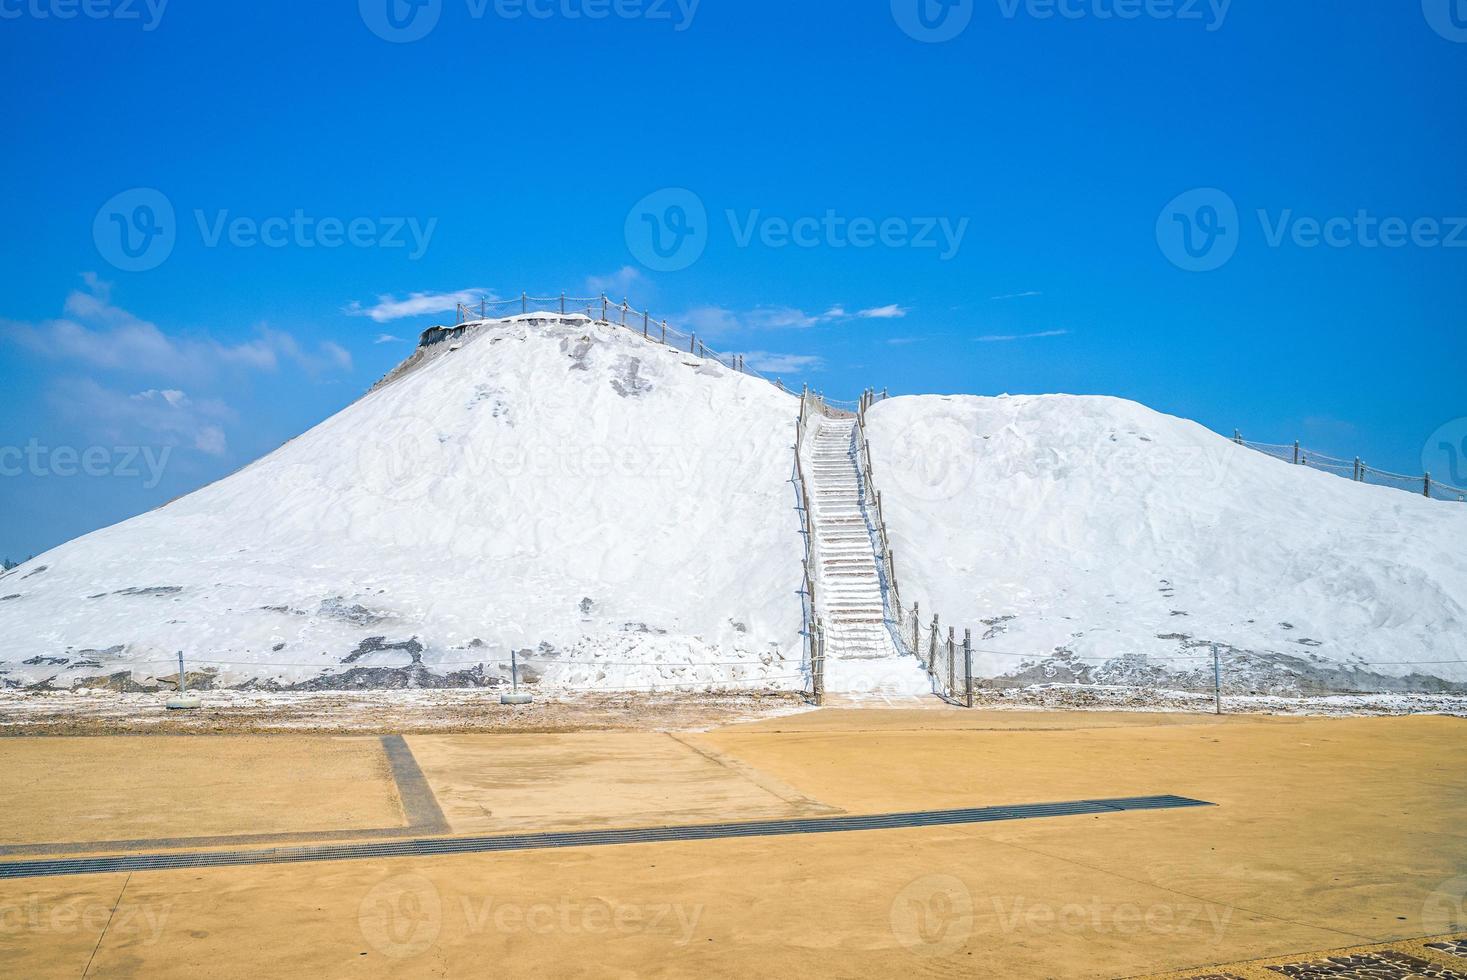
{"type": "Point", "coordinates": [621, 514]}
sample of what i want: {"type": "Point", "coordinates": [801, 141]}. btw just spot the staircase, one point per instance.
{"type": "Point", "coordinates": [860, 654]}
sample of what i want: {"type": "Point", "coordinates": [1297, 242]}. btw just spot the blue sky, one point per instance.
{"type": "Point", "coordinates": [1022, 195]}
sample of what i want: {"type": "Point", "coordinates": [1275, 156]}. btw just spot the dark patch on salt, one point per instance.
{"type": "Point", "coordinates": [629, 383]}
{"type": "Point", "coordinates": [378, 644]}
{"type": "Point", "coordinates": [358, 615]}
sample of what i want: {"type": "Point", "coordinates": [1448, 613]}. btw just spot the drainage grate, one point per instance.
{"type": "Point", "coordinates": [430, 847]}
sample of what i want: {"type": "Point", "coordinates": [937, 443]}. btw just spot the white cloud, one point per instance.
{"type": "Point", "coordinates": [718, 321]}
{"type": "Point", "coordinates": [165, 416]}
{"type": "Point", "coordinates": [892, 312]}
{"type": "Point", "coordinates": [902, 341]}
{"type": "Point", "coordinates": [389, 308]}
{"type": "Point", "coordinates": [782, 363]}
{"type": "Point", "coordinates": [619, 283]}
{"type": "Point", "coordinates": [1024, 295]}
{"type": "Point", "coordinates": [1004, 338]}
{"type": "Point", "coordinates": [99, 335]}
{"type": "Point", "coordinates": [387, 338]}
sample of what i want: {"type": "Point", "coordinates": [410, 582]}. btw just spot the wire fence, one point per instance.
{"type": "Point", "coordinates": [601, 309]}
{"type": "Point", "coordinates": [747, 675]}
{"type": "Point", "coordinates": [1356, 469]}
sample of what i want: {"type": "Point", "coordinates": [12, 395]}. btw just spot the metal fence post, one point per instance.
{"type": "Point", "coordinates": [916, 630]}
{"type": "Point", "coordinates": [1238, 436]}
{"type": "Point", "coordinates": [1216, 680]}
{"type": "Point", "coordinates": [952, 661]}
{"type": "Point", "coordinates": [562, 304]}
{"type": "Point", "coordinates": [664, 331]}
{"type": "Point", "coordinates": [818, 678]}
{"type": "Point", "coordinates": [624, 309]}
{"type": "Point", "coordinates": [524, 302]}
{"type": "Point", "coordinates": [968, 664]}
{"type": "Point", "coordinates": [932, 652]}
{"type": "Point", "coordinates": [646, 323]}
{"type": "Point", "coordinates": [1296, 452]}
{"type": "Point", "coordinates": [692, 343]}
{"type": "Point", "coordinates": [1428, 484]}
{"type": "Point", "coordinates": [604, 303]}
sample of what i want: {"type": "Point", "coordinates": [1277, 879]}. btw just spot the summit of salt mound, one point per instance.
{"type": "Point", "coordinates": [1092, 538]}
{"type": "Point", "coordinates": [618, 510]}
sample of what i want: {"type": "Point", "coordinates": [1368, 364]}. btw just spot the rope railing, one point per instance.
{"type": "Point", "coordinates": [1358, 471]}
{"type": "Point", "coordinates": [949, 665]}
{"type": "Point", "coordinates": [810, 623]}
{"type": "Point", "coordinates": [601, 309]}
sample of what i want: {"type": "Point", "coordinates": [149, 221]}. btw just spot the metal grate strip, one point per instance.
{"type": "Point", "coordinates": [428, 847]}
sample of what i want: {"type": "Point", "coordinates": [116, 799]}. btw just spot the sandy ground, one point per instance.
{"type": "Point", "coordinates": [1326, 833]}
{"type": "Point", "coordinates": [101, 712]}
